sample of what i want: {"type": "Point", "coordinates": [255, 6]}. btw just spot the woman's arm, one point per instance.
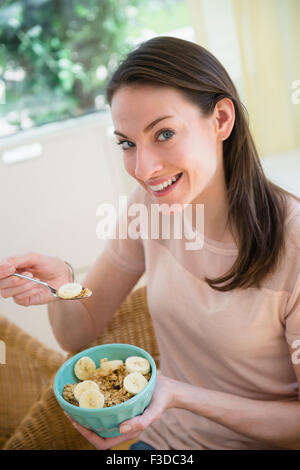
{"type": "Point", "coordinates": [274, 422]}
{"type": "Point", "coordinates": [76, 323]}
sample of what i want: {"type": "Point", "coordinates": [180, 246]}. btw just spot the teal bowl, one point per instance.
{"type": "Point", "coordinates": [105, 421]}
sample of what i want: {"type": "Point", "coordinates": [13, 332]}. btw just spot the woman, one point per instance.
{"type": "Point", "coordinates": [226, 315]}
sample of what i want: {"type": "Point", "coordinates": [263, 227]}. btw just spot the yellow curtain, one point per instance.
{"type": "Point", "coordinates": [268, 39]}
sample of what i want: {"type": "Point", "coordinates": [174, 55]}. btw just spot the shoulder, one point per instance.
{"type": "Point", "coordinates": [285, 275]}
{"type": "Point", "coordinates": [292, 224]}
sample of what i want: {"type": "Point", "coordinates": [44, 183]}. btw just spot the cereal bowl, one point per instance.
{"type": "Point", "coordinates": [105, 421]}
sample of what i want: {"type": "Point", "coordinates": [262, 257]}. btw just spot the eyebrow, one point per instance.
{"type": "Point", "coordinates": [147, 128]}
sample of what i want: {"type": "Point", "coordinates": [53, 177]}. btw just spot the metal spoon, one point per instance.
{"type": "Point", "coordinates": [53, 291]}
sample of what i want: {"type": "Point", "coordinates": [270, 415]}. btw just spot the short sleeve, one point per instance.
{"type": "Point", "coordinates": [124, 251]}
{"type": "Point", "coordinates": [292, 311]}
{"type": "Point", "coordinates": [292, 319]}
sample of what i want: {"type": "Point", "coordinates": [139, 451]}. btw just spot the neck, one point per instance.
{"type": "Point", "coordinates": [214, 199]}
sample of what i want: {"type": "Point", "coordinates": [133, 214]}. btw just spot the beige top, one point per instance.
{"type": "Point", "coordinates": [234, 342]}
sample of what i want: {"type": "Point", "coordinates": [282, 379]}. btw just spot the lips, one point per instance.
{"type": "Point", "coordinates": [161, 180]}
{"type": "Point", "coordinates": [169, 188]}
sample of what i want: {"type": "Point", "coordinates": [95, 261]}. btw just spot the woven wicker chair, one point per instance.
{"type": "Point", "coordinates": [30, 417]}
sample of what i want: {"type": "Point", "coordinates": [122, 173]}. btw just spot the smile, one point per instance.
{"type": "Point", "coordinates": [166, 187]}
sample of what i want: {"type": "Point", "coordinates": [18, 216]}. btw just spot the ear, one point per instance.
{"type": "Point", "coordinates": [224, 118]}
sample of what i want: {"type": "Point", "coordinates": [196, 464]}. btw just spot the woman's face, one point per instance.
{"type": "Point", "coordinates": [166, 140]}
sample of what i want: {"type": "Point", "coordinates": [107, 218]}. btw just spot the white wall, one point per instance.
{"type": "Point", "coordinates": [284, 170]}
{"type": "Point", "coordinates": [48, 204]}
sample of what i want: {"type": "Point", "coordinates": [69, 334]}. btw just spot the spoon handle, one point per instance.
{"type": "Point", "coordinates": [35, 280]}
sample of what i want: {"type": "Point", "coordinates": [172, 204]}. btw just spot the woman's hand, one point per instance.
{"type": "Point", "coordinates": [163, 397]}
{"type": "Point", "coordinates": [49, 269]}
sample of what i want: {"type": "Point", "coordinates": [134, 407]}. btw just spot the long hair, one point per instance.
{"type": "Point", "coordinates": [257, 207]}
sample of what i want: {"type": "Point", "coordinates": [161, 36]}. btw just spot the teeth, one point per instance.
{"type": "Point", "coordinates": [161, 186]}
{"type": "Point", "coordinates": [164, 185]}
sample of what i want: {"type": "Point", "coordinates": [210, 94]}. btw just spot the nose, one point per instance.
{"type": "Point", "coordinates": [147, 164]}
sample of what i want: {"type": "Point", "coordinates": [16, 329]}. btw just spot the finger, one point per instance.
{"type": "Point", "coordinates": [92, 437]}
{"type": "Point", "coordinates": [32, 291]}
{"type": "Point", "coordinates": [8, 280]}
{"type": "Point", "coordinates": [15, 286]}
{"type": "Point", "coordinates": [114, 441]}
{"type": "Point", "coordinates": [140, 423]}
{"type": "Point", "coordinates": [27, 260]}
{"type": "Point", "coordinates": [32, 297]}
{"type": "Point", "coordinates": [103, 443]}
{"type": "Point", "coordinates": [6, 269]}
{"type": "Point", "coordinates": [10, 264]}
{"type": "Point", "coordinates": [14, 281]}
{"type": "Point", "coordinates": [100, 442]}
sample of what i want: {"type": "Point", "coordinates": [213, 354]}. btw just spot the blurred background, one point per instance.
{"type": "Point", "coordinates": [58, 158]}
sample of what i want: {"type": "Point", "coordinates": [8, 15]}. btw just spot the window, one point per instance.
{"type": "Point", "coordinates": [56, 55]}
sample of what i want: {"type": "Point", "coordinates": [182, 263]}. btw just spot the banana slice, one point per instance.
{"type": "Point", "coordinates": [107, 367]}
{"type": "Point", "coordinates": [84, 368]}
{"type": "Point", "coordinates": [134, 382]}
{"type": "Point", "coordinates": [84, 386]}
{"type": "Point", "coordinates": [70, 290]}
{"type": "Point", "coordinates": [91, 399]}
{"type": "Point", "coordinates": [137, 364]}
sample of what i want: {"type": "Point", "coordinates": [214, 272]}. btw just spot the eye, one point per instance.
{"type": "Point", "coordinates": [126, 144]}
{"type": "Point", "coordinates": [166, 135]}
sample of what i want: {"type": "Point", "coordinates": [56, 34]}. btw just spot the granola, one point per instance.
{"type": "Point", "coordinates": [85, 291]}
{"type": "Point", "coordinates": [110, 385]}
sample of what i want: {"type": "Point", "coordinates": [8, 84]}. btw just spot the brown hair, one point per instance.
{"type": "Point", "coordinates": [257, 207]}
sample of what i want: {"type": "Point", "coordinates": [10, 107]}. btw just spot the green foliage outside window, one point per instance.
{"type": "Point", "coordinates": [64, 49]}
{"type": "Point", "coordinates": [56, 55]}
